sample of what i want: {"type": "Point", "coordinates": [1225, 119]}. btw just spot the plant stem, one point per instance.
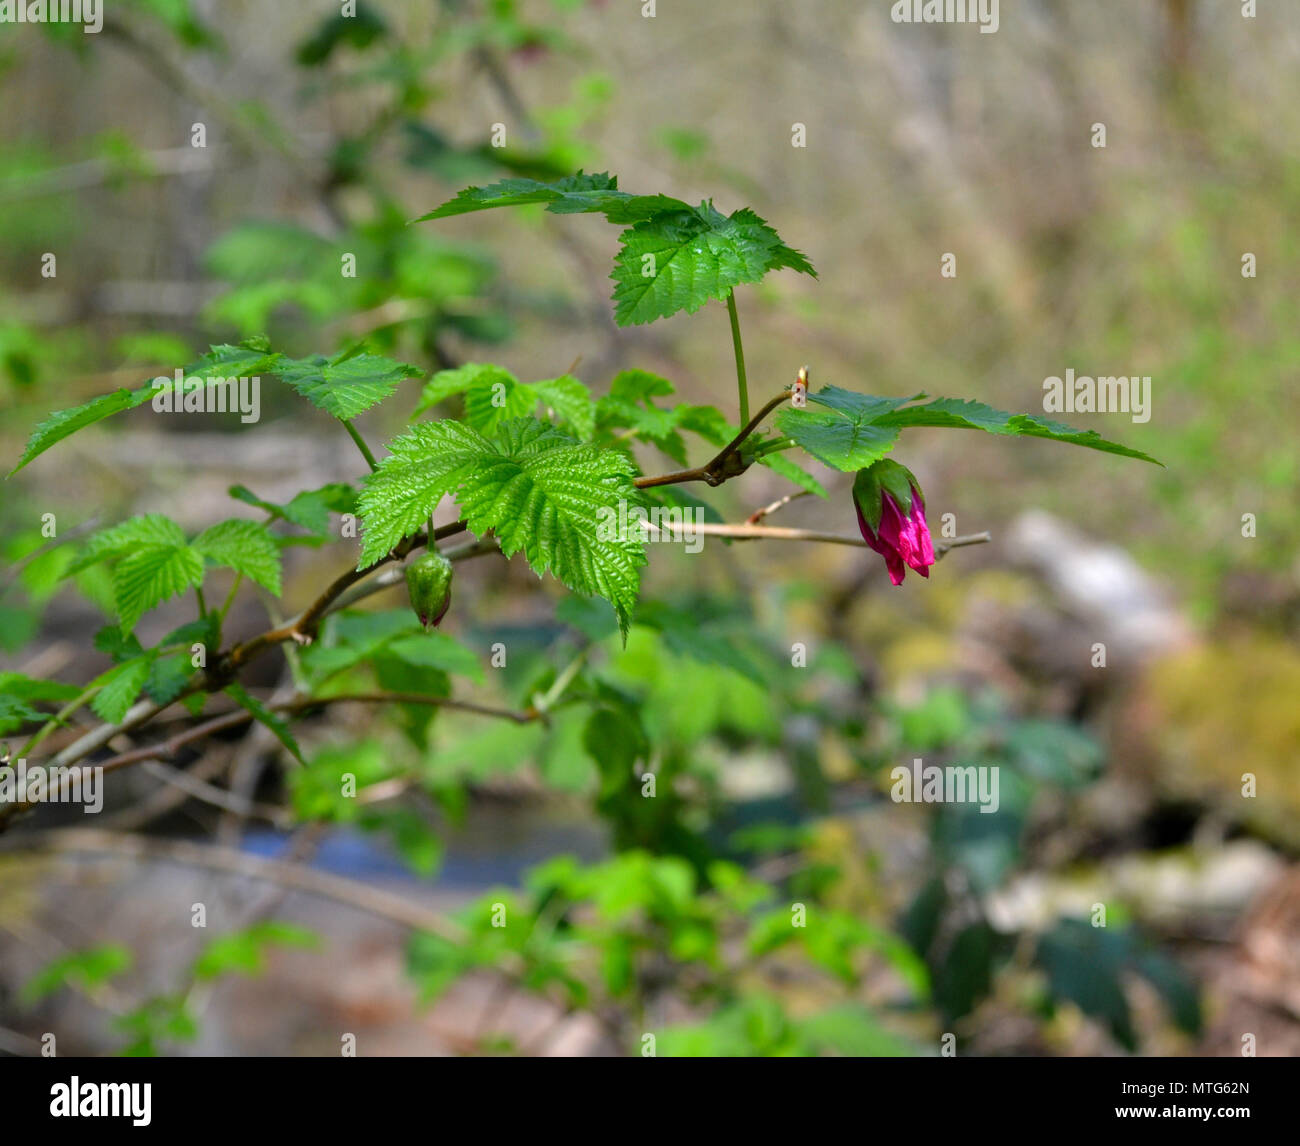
{"type": "Point", "coordinates": [230, 598]}
{"type": "Point", "coordinates": [738, 346]}
{"type": "Point", "coordinates": [773, 446]}
{"type": "Point", "coordinates": [360, 441]}
{"type": "Point", "coordinates": [58, 719]}
{"type": "Point", "coordinates": [714, 471]}
{"type": "Point", "coordinates": [561, 682]}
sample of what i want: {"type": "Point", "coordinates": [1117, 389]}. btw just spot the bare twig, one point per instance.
{"type": "Point", "coordinates": [747, 532]}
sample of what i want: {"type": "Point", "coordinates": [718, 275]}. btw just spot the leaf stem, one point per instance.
{"type": "Point", "coordinates": [355, 435]}
{"type": "Point", "coordinates": [561, 682]}
{"type": "Point", "coordinates": [773, 446]}
{"type": "Point", "coordinates": [230, 597]}
{"type": "Point", "coordinates": [741, 381]}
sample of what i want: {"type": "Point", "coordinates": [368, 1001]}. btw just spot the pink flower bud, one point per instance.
{"type": "Point", "coordinates": [891, 515]}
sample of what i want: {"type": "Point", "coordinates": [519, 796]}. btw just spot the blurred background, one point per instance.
{"type": "Point", "coordinates": [1122, 781]}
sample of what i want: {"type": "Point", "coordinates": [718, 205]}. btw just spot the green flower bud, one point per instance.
{"type": "Point", "coordinates": [428, 579]}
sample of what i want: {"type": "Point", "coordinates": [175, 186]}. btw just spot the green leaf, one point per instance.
{"type": "Point", "coordinates": [87, 968]}
{"type": "Point", "coordinates": [64, 423]}
{"type": "Point", "coordinates": [263, 715]}
{"type": "Point", "coordinates": [15, 712]}
{"type": "Point", "coordinates": [538, 489]}
{"type": "Point", "coordinates": [854, 430]}
{"type": "Point", "coordinates": [1084, 965]}
{"type": "Point", "coordinates": [690, 636]}
{"type": "Point", "coordinates": [244, 546]}
{"type": "Point", "coordinates": [343, 386]}
{"type": "Point", "coordinates": [680, 260]}
{"type": "Point", "coordinates": [423, 466]}
{"type": "Point", "coordinates": [575, 194]}
{"type": "Point", "coordinates": [461, 380]}
{"type": "Point", "coordinates": [674, 257]}
{"type": "Point", "coordinates": [630, 403]}
{"type": "Point", "coordinates": [310, 509]}
{"type": "Point", "coordinates": [252, 357]}
{"type": "Point", "coordinates": [245, 951]}
{"type": "Point", "coordinates": [153, 529]}
{"type": "Point", "coordinates": [167, 677]}
{"type": "Point", "coordinates": [119, 687]}
{"type": "Point", "coordinates": [547, 495]}
{"type": "Point", "coordinates": [842, 434]}
{"type": "Point", "coordinates": [437, 650]}
{"type": "Point", "coordinates": [493, 395]}
{"type": "Point", "coordinates": [852, 1031]}
{"type": "Point", "coordinates": [571, 400]}
{"type": "Point", "coordinates": [147, 576]}
{"type": "Point", "coordinates": [30, 688]}
{"type": "Point", "coordinates": [349, 638]}
{"type": "Point", "coordinates": [964, 414]}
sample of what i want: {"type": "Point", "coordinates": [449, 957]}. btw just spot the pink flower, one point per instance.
{"type": "Point", "coordinates": [891, 515]}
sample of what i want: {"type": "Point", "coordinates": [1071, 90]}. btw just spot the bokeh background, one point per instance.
{"type": "Point", "coordinates": [326, 135]}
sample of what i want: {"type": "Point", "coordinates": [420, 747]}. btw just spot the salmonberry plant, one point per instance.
{"type": "Point", "coordinates": [538, 469]}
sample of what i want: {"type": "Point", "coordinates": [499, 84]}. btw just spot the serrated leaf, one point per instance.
{"type": "Point", "coordinates": [569, 398]}
{"type": "Point", "coordinates": [680, 261]}
{"type": "Point", "coordinates": [460, 380]}
{"type": "Point", "coordinates": [965, 414]}
{"type": "Point", "coordinates": [245, 360]}
{"type": "Point", "coordinates": [63, 423]}
{"type": "Point", "coordinates": [168, 677]}
{"type": "Point", "coordinates": [263, 715]}
{"type": "Point", "coordinates": [493, 395]}
{"type": "Point", "coordinates": [842, 433]}
{"type": "Point", "coordinates": [119, 687]}
{"type": "Point", "coordinates": [630, 404]}
{"type": "Point", "coordinates": [151, 529]}
{"type": "Point", "coordinates": [549, 496]}
{"type": "Point", "coordinates": [244, 546]}
{"type": "Point", "coordinates": [674, 257]}
{"type": "Point", "coordinates": [150, 575]}
{"type": "Point", "coordinates": [538, 489]}
{"type": "Point", "coordinates": [574, 194]}
{"type": "Point", "coordinates": [345, 387]}
{"type": "Point", "coordinates": [423, 466]}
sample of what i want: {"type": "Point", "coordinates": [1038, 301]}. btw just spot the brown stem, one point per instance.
{"type": "Point", "coordinates": [716, 471]}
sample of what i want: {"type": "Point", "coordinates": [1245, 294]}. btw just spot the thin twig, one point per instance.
{"type": "Point", "coordinates": [720, 468]}
{"type": "Point", "coordinates": [746, 532]}
{"type": "Point", "coordinates": [758, 514]}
